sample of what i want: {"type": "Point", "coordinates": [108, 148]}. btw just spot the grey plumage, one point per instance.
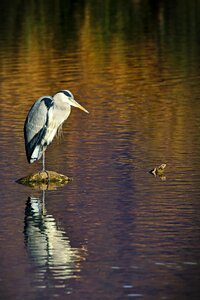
{"type": "Point", "coordinates": [44, 119]}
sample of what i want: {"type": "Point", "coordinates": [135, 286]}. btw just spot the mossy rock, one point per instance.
{"type": "Point", "coordinates": [44, 180]}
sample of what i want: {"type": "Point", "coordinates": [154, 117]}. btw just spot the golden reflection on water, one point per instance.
{"type": "Point", "coordinates": [130, 87]}
{"type": "Point", "coordinates": [139, 78]}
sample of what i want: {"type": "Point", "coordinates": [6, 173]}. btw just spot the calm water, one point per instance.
{"type": "Point", "coordinates": [115, 231]}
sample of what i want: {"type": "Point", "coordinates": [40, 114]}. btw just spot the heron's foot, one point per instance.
{"type": "Point", "coordinates": [43, 172]}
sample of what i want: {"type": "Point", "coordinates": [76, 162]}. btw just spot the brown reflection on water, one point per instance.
{"type": "Point", "coordinates": [137, 74]}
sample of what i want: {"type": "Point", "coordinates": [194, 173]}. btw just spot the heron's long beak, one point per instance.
{"type": "Point", "coordinates": [76, 104]}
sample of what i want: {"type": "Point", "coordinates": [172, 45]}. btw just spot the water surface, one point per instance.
{"type": "Point", "coordinates": [115, 231]}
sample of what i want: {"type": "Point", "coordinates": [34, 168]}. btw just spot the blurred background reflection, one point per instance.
{"type": "Point", "coordinates": [134, 65]}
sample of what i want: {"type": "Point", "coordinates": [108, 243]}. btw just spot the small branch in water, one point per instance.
{"type": "Point", "coordinates": [159, 171]}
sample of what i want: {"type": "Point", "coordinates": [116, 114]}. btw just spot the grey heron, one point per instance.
{"type": "Point", "coordinates": [44, 119]}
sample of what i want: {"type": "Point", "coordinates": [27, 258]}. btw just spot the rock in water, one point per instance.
{"type": "Point", "coordinates": [44, 180]}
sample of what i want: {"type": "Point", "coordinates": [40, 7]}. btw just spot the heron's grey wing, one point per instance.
{"type": "Point", "coordinates": [35, 126]}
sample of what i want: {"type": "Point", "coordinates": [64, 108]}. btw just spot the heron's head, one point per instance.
{"type": "Point", "coordinates": [66, 97]}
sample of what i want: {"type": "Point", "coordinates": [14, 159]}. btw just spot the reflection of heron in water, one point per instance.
{"type": "Point", "coordinates": [47, 244]}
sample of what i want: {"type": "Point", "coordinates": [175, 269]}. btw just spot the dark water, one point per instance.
{"type": "Point", "coordinates": [115, 231]}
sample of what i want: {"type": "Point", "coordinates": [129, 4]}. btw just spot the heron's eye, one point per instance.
{"type": "Point", "coordinates": [68, 94]}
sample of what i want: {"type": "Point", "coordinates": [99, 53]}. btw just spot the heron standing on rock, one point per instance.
{"type": "Point", "coordinates": [43, 121]}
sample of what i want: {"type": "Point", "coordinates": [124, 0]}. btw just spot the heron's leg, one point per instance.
{"type": "Point", "coordinates": [43, 202]}
{"type": "Point", "coordinates": [43, 161]}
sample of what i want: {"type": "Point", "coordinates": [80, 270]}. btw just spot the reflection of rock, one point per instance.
{"type": "Point", "coordinates": [48, 245]}
{"type": "Point", "coordinates": [159, 171]}
{"type": "Point", "coordinates": [44, 180]}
